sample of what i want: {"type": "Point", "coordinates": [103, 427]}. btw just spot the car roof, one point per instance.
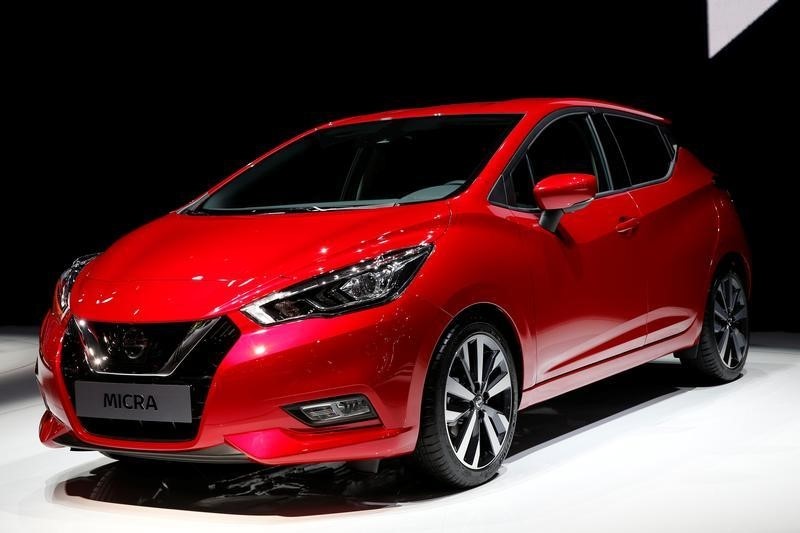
{"type": "Point", "coordinates": [522, 106]}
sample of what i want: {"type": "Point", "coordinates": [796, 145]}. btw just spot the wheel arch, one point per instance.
{"type": "Point", "coordinates": [499, 318]}
{"type": "Point", "coordinates": [739, 264]}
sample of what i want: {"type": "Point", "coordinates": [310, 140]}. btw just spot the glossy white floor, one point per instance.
{"type": "Point", "coordinates": [645, 451]}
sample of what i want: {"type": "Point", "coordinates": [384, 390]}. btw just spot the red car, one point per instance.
{"type": "Point", "coordinates": [399, 283]}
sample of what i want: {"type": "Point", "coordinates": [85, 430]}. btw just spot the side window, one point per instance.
{"type": "Point", "coordinates": [616, 165]}
{"type": "Point", "coordinates": [566, 145]}
{"type": "Point", "coordinates": [643, 148]}
{"type": "Point", "coordinates": [520, 185]}
{"type": "Point", "coordinates": [670, 138]}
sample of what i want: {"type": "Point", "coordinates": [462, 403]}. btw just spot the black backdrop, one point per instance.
{"type": "Point", "coordinates": [115, 124]}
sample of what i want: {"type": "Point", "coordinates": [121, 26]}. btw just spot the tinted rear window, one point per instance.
{"type": "Point", "coordinates": [646, 154]}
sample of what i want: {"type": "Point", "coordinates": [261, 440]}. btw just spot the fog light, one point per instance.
{"type": "Point", "coordinates": [333, 411]}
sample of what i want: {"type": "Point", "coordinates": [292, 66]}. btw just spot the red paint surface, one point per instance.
{"type": "Point", "coordinates": [622, 281]}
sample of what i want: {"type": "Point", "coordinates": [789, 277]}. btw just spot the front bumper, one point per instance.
{"type": "Point", "coordinates": [382, 353]}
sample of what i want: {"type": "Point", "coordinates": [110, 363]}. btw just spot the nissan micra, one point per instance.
{"type": "Point", "coordinates": [399, 283]}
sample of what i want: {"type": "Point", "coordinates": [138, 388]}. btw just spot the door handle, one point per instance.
{"type": "Point", "coordinates": [627, 225]}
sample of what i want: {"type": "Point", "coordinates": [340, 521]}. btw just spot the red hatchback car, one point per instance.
{"type": "Point", "coordinates": [399, 283]}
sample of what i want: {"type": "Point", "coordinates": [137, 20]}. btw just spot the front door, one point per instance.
{"type": "Point", "coordinates": [589, 301]}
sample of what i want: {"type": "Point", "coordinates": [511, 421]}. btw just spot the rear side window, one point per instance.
{"type": "Point", "coordinates": [643, 148]}
{"type": "Point", "coordinates": [616, 166]}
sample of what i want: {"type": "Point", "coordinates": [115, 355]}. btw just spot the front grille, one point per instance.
{"type": "Point", "coordinates": [196, 370]}
{"type": "Point", "coordinates": [135, 349]}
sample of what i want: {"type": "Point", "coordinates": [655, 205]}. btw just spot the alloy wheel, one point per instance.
{"type": "Point", "coordinates": [731, 326]}
{"type": "Point", "coordinates": [478, 401]}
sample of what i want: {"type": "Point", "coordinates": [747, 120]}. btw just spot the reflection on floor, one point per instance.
{"type": "Point", "coordinates": [651, 449]}
{"type": "Point", "coordinates": [322, 489]}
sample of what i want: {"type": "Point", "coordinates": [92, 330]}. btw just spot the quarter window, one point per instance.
{"type": "Point", "coordinates": [521, 189]}
{"type": "Point", "coordinates": [646, 154]}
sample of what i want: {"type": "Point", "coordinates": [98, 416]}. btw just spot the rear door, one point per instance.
{"type": "Point", "coordinates": [677, 228]}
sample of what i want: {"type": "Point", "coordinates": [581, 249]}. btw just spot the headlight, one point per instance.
{"type": "Point", "coordinates": [65, 282]}
{"type": "Point", "coordinates": [368, 283]}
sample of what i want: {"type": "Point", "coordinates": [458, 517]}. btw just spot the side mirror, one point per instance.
{"type": "Point", "coordinates": [563, 193]}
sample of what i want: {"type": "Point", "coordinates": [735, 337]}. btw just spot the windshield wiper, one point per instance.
{"type": "Point", "coordinates": [316, 208]}
{"type": "Point", "coordinates": [278, 209]}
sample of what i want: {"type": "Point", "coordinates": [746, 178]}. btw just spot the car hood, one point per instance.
{"type": "Point", "coordinates": [189, 267]}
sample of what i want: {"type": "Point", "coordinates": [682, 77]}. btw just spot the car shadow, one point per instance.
{"type": "Point", "coordinates": [326, 489]}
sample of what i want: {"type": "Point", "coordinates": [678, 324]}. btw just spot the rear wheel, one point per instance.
{"type": "Point", "coordinates": [469, 407]}
{"type": "Point", "coordinates": [725, 337]}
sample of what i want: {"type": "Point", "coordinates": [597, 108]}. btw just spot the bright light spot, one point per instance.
{"type": "Point", "coordinates": [323, 250]}
{"type": "Point", "coordinates": [197, 278]}
{"type": "Point", "coordinates": [260, 349]}
{"type": "Point", "coordinates": [727, 19]}
{"type": "Point", "coordinates": [82, 323]}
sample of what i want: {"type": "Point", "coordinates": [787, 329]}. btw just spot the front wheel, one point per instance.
{"type": "Point", "coordinates": [725, 337]}
{"type": "Point", "coordinates": [469, 407]}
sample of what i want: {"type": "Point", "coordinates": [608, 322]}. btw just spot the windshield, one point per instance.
{"type": "Point", "coordinates": [363, 165]}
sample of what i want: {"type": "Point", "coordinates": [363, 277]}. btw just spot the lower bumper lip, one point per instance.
{"type": "Point", "coordinates": [216, 454]}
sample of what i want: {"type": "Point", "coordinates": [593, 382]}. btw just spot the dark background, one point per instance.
{"type": "Point", "coordinates": [116, 124]}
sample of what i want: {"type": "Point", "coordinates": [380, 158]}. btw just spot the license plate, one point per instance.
{"type": "Point", "coordinates": [129, 401]}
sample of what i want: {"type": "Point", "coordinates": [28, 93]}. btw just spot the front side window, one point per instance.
{"type": "Point", "coordinates": [369, 164]}
{"type": "Point", "coordinates": [643, 148]}
{"type": "Point", "coordinates": [521, 185]}
{"type": "Point", "coordinates": [565, 146]}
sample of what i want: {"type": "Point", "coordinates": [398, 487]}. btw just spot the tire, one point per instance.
{"type": "Point", "coordinates": [725, 336]}
{"type": "Point", "coordinates": [448, 417]}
